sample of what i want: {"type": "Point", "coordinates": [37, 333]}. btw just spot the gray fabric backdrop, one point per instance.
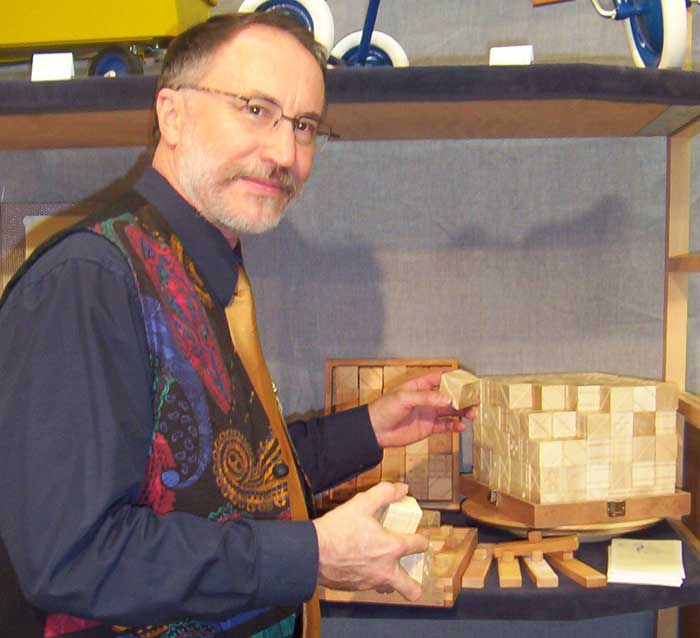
{"type": "Point", "coordinates": [511, 255]}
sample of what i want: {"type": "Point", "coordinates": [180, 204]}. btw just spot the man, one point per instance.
{"type": "Point", "coordinates": [149, 486]}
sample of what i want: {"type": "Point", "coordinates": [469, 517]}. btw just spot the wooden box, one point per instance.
{"type": "Point", "coordinates": [429, 467]}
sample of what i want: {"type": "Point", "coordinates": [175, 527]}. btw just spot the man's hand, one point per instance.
{"type": "Point", "coordinates": [357, 553]}
{"type": "Point", "coordinates": [413, 410]}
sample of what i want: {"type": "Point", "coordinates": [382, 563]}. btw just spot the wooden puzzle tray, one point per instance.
{"type": "Point", "coordinates": [547, 516]}
{"type": "Point", "coordinates": [453, 549]}
{"type": "Point", "coordinates": [430, 467]}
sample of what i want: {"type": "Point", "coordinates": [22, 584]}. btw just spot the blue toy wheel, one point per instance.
{"type": "Point", "coordinates": [383, 50]}
{"type": "Point", "coordinates": [115, 61]}
{"type": "Point", "coordinates": [656, 30]}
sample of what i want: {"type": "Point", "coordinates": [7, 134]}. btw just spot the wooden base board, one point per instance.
{"type": "Point", "coordinates": [548, 516]}
{"type": "Point", "coordinates": [440, 587]}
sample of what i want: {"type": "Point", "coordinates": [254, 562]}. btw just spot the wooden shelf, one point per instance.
{"type": "Point", "coordinates": [685, 263]}
{"type": "Point", "coordinates": [537, 101]}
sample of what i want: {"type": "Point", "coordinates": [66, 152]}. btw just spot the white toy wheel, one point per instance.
{"type": "Point", "coordinates": [658, 36]}
{"type": "Point", "coordinates": [314, 14]}
{"type": "Point", "coordinates": [383, 50]}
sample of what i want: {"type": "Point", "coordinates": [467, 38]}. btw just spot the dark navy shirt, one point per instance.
{"type": "Point", "coordinates": [75, 429]}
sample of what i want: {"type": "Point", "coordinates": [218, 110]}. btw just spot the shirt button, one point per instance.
{"type": "Point", "coordinates": [280, 470]}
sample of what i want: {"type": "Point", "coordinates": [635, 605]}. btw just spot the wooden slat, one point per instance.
{"type": "Point", "coordinates": [689, 407]}
{"type": "Point", "coordinates": [677, 242]}
{"type": "Point", "coordinates": [684, 263]}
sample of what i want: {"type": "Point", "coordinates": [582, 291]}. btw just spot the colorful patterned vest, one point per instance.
{"type": "Point", "coordinates": [212, 452]}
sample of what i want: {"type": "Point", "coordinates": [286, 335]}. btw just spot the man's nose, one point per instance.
{"type": "Point", "coordinates": [281, 144]}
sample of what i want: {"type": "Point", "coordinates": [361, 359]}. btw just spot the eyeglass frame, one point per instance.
{"type": "Point", "coordinates": [322, 129]}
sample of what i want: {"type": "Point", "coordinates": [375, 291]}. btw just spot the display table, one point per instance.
{"type": "Point", "coordinates": [614, 610]}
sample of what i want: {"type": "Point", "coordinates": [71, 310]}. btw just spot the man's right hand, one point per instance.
{"type": "Point", "coordinates": [357, 553]}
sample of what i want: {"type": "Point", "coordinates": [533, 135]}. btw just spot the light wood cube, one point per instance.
{"type": "Point", "coordinates": [622, 451]}
{"type": "Point", "coordinates": [620, 480]}
{"type": "Point", "coordinates": [597, 425]}
{"type": "Point", "coordinates": [622, 399]}
{"type": "Point", "coordinates": [574, 453]}
{"type": "Point", "coordinates": [666, 449]}
{"type": "Point", "coordinates": [558, 397]}
{"type": "Point", "coordinates": [440, 443]}
{"type": "Point", "coordinates": [643, 449]}
{"type": "Point", "coordinates": [643, 475]}
{"type": "Point", "coordinates": [665, 422]}
{"type": "Point", "coordinates": [621, 425]}
{"type": "Point", "coordinates": [592, 398]}
{"type": "Point", "coordinates": [599, 451]}
{"type": "Point", "coordinates": [564, 425]}
{"type": "Point", "coordinates": [644, 423]}
{"type": "Point", "coordinates": [545, 453]}
{"type": "Point", "coordinates": [462, 387]}
{"type": "Point", "coordinates": [440, 465]}
{"type": "Point", "coordinates": [539, 425]}
{"type": "Point", "coordinates": [440, 489]}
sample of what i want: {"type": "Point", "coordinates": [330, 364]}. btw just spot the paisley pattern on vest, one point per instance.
{"type": "Point", "coordinates": [212, 450]}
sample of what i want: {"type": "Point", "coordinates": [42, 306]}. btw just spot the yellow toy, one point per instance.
{"type": "Point", "coordinates": [116, 35]}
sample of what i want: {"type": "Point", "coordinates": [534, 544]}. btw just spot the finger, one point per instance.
{"type": "Point", "coordinates": [413, 543]}
{"type": "Point", "coordinates": [427, 399]}
{"type": "Point", "coordinates": [406, 586]}
{"type": "Point", "coordinates": [381, 495]}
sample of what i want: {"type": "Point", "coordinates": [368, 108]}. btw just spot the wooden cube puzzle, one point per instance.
{"type": "Point", "coordinates": [430, 467]}
{"type": "Point", "coordinates": [576, 437]}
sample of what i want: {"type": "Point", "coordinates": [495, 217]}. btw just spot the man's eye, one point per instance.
{"type": "Point", "coordinates": [307, 126]}
{"type": "Point", "coordinates": [260, 111]}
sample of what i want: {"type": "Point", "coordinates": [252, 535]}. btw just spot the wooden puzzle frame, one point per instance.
{"type": "Point", "coordinates": [430, 467]}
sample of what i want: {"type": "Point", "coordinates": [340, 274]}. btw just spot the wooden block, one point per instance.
{"type": "Point", "coordinates": [462, 387]}
{"type": "Point", "coordinates": [430, 518]}
{"type": "Point", "coordinates": [622, 398]}
{"type": "Point", "coordinates": [344, 491]}
{"type": "Point", "coordinates": [666, 448]}
{"type": "Point", "coordinates": [478, 568]}
{"type": "Point", "coordinates": [644, 424]}
{"type": "Point", "coordinates": [655, 397]}
{"type": "Point", "coordinates": [578, 571]}
{"type": "Point", "coordinates": [346, 390]}
{"type": "Point", "coordinates": [509, 575]}
{"type": "Point", "coordinates": [440, 465]}
{"type": "Point", "coordinates": [574, 453]}
{"type": "Point", "coordinates": [621, 425]}
{"type": "Point", "coordinates": [440, 443]}
{"type": "Point", "coordinates": [620, 479]}
{"type": "Point", "coordinates": [402, 516]}
{"type": "Point", "coordinates": [393, 376]}
{"type": "Point", "coordinates": [560, 397]}
{"type": "Point", "coordinates": [393, 467]}
{"type": "Point", "coordinates": [564, 425]}
{"type": "Point", "coordinates": [643, 449]}
{"type": "Point", "coordinates": [539, 425]}
{"type": "Point", "coordinates": [568, 543]}
{"type": "Point", "coordinates": [592, 398]}
{"type": "Point", "coordinates": [545, 453]}
{"type": "Point", "coordinates": [643, 475]}
{"type": "Point", "coordinates": [597, 425]}
{"type": "Point", "coordinates": [599, 451]}
{"type": "Point", "coordinates": [541, 573]}
{"type": "Point", "coordinates": [574, 483]}
{"type": "Point", "coordinates": [440, 489]}
{"type": "Point", "coordinates": [621, 451]}
{"type": "Point", "coordinates": [665, 422]}
{"type": "Point", "coordinates": [371, 383]}
{"type": "Point", "coordinates": [598, 482]}
{"type": "Point", "coordinates": [419, 447]}
{"type": "Point", "coordinates": [369, 478]}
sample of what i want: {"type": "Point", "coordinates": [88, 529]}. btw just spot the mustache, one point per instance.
{"type": "Point", "coordinates": [278, 174]}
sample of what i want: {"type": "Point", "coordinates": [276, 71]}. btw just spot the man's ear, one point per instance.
{"type": "Point", "coordinates": [169, 108]}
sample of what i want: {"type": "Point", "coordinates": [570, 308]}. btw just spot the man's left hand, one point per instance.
{"type": "Point", "coordinates": [413, 410]}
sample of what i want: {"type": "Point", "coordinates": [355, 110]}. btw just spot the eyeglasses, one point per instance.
{"type": "Point", "coordinates": [263, 114]}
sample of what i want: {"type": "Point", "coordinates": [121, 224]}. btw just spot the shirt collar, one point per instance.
{"type": "Point", "coordinates": [215, 260]}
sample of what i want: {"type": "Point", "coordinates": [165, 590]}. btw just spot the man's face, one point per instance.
{"type": "Point", "coordinates": [239, 177]}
